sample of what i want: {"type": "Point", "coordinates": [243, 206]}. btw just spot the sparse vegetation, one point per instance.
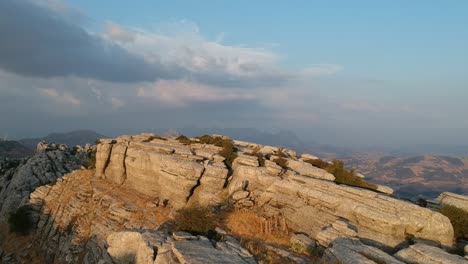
{"type": "Point", "coordinates": [196, 220]}
{"type": "Point", "coordinates": [20, 221]}
{"type": "Point", "coordinates": [256, 153]}
{"type": "Point", "coordinates": [184, 140]}
{"type": "Point", "coordinates": [151, 138]}
{"type": "Point", "coordinates": [342, 175]}
{"type": "Point", "coordinates": [282, 162]}
{"type": "Point", "coordinates": [90, 160]}
{"type": "Point", "coordinates": [458, 218]}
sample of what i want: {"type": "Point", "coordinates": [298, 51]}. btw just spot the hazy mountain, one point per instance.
{"type": "Point", "coordinates": [78, 137]}
{"type": "Point", "coordinates": [13, 149]}
{"type": "Point", "coordinates": [418, 175]}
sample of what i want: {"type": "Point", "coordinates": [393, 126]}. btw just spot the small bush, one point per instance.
{"type": "Point", "coordinates": [261, 159]}
{"type": "Point", "coordinates": [20, 221]}
{"type": "Point", "coordinates": [303, 249]}
{"type": "Point", "coordinates": [342, 175]}
{"type": "Point", "coordinates": [196, 220]}
{"type": "Point", "coordinates": [184, 140]}
{"type": "Point", "coordinates": [90, 160]}
{"type": "Point", "coordinates": [282, 162]}
{"type": "Point", "coordinates": [228, 152]}
{"type": "Point", "coordinates": [154, 137]}
{"type": "Point", "coordinates": [318, 163]}
{"type": "Point", "coordinates": [458, 218]}
{"type": "Point", "coordinates": [345, 176]}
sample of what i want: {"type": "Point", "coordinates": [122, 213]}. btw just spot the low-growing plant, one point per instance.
{"type": "Point", "coordinates": [228, 152]}
{"type": "Point", "coordinates": [282, 162]}
{"type": "Point", "coordinates": [154, 137]}
{"type": "Point", "coordinates": [196, 220]}
{"type": "Point", "coordinates": [259, 155]}
{"type": "Point", "coordinates": [20, 221]}
{"type": "Point", "coordinates": [458, 218]}
{"type": "Point", "coordinates": [184, 140]}
{"type": "Point", "coordinates": [342, 175]}
{"type": "Point", "coordinates": [318, 163]}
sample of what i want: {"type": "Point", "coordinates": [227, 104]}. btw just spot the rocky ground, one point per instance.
{"type": "Point", "coordinates": [123, 211]}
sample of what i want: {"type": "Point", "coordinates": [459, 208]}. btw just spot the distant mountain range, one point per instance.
{"type": "Point", "coordinates": [78, 137]}
{"type": "Point", "coordinates": [424, 176]}
{"type": "Point", "coordinates": [14, 149]}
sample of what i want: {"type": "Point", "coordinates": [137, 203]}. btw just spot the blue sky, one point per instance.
{"type": "Point", "coordinates": [354, 73]}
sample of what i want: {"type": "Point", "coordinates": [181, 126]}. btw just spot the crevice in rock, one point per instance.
{"type": "Point", "coordinates": [124, 165]}
{"type": "Point", "coordinates": [106, 164]}
{"type": "Point", "coordinates": [196, 185]}
{"type": "Point", "coordinates": [155, 252]}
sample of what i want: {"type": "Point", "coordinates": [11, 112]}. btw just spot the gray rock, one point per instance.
{"type": "Point", "coordinates": [425, 254]}
{"type": "Point", "coordinates": [350, 251]}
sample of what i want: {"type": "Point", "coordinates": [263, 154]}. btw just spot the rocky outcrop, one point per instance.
{"type": "Point", "coordinates": [148, 247]}
{"type": "Point", "coordinates": [19, 178]}
{"type": "Point", "coordinates": [305, 196]}
{"type": "Point", "coordinates": [425, 254]}
{"type": "Point", "coordinates": [78, 212]}
{"type": "Point", "coordinates": [121, 212]}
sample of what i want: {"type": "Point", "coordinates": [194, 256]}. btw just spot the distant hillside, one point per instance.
{"type": "Point", "coordinates": [13, 149]}
{"type": "Point", "coordinates": [417, 175]}
{"type": "Point", "coordinates": [78, 137]}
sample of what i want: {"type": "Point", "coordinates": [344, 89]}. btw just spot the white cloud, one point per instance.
{"type": "Point", "coordinates": [182, 93]}
{"type": "Point", "coordinates": [60, 97]}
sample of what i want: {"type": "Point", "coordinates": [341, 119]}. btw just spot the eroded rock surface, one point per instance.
{"type": "Point", "coordinates": [155, 247]}
{"type": "Point", "coordinates": [304, 195]}
{"type": "Point", "coordinates": [18, 178]}
{"type": "Point", "coordinates": [425, 254]}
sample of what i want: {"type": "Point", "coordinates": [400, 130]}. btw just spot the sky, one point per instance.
{"type": "Point", "coordinates": [347, 73]}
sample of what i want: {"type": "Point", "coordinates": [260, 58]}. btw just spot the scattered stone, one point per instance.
{"type": "Point", "coordinates": [183, 236]}
{"type": "Point", "coordinates": [384, 189]}
{"type": "Point", "coordinates": [240, 195]}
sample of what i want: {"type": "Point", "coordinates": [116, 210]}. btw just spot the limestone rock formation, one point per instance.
{"type": "Point", "coordinates": [155, 247]}
{"type": "Point", "coordinates": [19, 178]}
{"type": "Point", "coordinates": [305, 196]}
{"type": "Point", "coordinates": [121, 211]}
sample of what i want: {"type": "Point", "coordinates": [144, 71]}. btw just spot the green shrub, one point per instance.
{"type": "Point", "coordinates": [348, 177]}
{"type": "Point", "coordinates": [196, 220]}
{"type": "Point", "coordinates": [90, 160]}
{"type": "Point", "coordinates": [458, 218]}
{"type": "Point", "coordinates": [154, 137]}
{"type": "Point", "coordinates": [261, 159]}
{"type": "Point", "coordinates": [318, 163]}
{"type": "Point", "coordinates": [342, 175]}
{"type": "Point", "coordinates": [282, 162]}
{"type": "Point", "coordinates": [20, 221]}
{"type": "Point", "coordinates": [184, 140]}
{"type": "Point", "coordinates": [228, 151]}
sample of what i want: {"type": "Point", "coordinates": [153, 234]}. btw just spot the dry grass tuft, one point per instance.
{"type": "Point", "coordinates": [249, 225]}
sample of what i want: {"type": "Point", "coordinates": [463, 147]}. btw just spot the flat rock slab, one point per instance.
{"type": "Point", "coordinates": [425, 254]}
{"type": "Point", "coordinates": [202, 252]}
